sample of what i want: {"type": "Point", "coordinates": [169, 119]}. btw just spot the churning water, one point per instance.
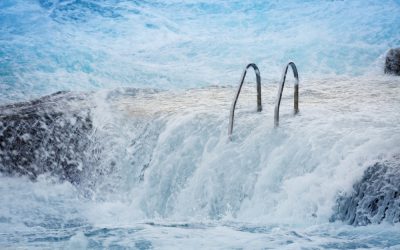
{"type": "Point", "coordinates": [137, 155]}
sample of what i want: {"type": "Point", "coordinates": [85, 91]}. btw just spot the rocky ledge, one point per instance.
{"type": "Point", "coordinates": [375, 199]}
{"type": "Point", "coordinates": [48, 135]}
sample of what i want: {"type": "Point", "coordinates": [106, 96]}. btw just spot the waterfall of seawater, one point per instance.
{"type": "Point", "coordinates": [163, 158]}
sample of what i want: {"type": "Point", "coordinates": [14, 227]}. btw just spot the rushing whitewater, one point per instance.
{"type": "Point", "coordinates": [165, 156]}
{"type": "Point", "coordinates": [132, 151]}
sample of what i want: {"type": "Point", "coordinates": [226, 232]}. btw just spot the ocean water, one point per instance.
{"type": "Point", "coordinates": [52, 45]}
{"type": "Point", "coordinates": [159, 78]}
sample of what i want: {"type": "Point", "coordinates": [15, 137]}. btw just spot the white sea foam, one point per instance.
{"type": "Point", "coordinates": [174, 180]}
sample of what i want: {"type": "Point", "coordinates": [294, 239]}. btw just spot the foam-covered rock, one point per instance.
{"type": "Point", "coordinates": [47, 135]}
{"type": "Point", "coordinates": [376, 198]}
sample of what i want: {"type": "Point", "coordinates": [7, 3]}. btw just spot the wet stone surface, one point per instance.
{"type": "Point", "coordinates": [392, 63]}
{"type": "Point", "coordinates": [48, 135]}
{"type": "Point", "coordinates": [376, 198]}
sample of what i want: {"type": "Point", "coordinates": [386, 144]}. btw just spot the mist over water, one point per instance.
{"type": "Point", "coordinates": [50, 45]}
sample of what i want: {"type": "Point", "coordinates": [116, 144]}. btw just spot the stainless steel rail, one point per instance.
{"type": "Point", "coordinates": [296, 92]}
{"type": "Point", "coordinates": [259, 105]}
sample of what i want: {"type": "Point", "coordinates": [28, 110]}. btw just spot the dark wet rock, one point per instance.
{"type": "Point", "coordinates": [48, 135]}
{"type": "Point", "coordinates": [392, 63]}
{"type": "Point", "coordinates": [376, 198]}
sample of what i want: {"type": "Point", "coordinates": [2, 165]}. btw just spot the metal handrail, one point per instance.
{"type": "Point", "coordinates": [259, 105]}
{"type": "Point", "coordinates": [296, 92]}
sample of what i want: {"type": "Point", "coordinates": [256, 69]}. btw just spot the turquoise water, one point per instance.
{"type": "Point", "coordinates": [159, 78]}
{"type": "Point", "coordinates": [52, 45]}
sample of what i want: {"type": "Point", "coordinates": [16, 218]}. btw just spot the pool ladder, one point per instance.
{"type": "Point", "coordinates": [278, 98]}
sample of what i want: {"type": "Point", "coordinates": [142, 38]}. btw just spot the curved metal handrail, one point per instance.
{"type": "Point", "coordinates": [259, 105]}
{"type": "Point", "coordinates": [296, 92]}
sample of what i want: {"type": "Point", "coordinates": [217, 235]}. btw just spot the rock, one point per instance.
{"type": "Point", "coordinates": [392, 63]}
{"type": "Point", "coordinates": [376, 198]}
{"type": "Point", "coordinates": [47, 135]}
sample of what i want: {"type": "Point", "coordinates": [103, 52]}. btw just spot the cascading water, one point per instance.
{"type": "Point", "coordinates": [138, 154]}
